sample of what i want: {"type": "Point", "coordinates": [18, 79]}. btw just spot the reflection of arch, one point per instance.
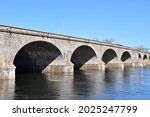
{"type": "Point", "coordinates": [109, 55]}
{"type": "Point", "coordinates": [35, 57]}
{"type": "Point", "coordinates": [140, 56]}
{"type": "Point", "coordinates": [145, 57]}
{"type": "Point", "coordinates": [82, 55]}
{"type": "Point", "coordinates": [125, 56]}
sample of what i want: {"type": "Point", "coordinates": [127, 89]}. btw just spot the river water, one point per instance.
{"type": "Point", "coordinates": [114, 84]}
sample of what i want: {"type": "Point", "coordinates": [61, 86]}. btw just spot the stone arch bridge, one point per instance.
{"type": "Point", "coordinates": [25, 51]}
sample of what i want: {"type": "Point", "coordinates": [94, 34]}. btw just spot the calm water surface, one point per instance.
{"type": "Point", "coordinates": [91, 85]}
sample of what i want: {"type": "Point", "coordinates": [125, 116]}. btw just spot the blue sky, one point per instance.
{"type": "Point", "coordinates": [126, 21]}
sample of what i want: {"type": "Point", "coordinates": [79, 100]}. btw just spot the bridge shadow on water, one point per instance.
{"type": "Point", "coordinates": [42, 86]}
{"type": "Point", "coordinates": [54, 86]}
{"type": "Point", "coordinates": [82, 85]}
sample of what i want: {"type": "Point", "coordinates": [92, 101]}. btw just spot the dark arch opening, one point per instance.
{"type": "Point", "coordinates": [149, 58]}
{"type": "Point", "coordinates": [145, 57]}
{"type": "Point", "coordinates": [35, 57]}
{"type": "Point", "coordinates": [82, 55]}
{"type": "Point", "coordinates": [108, 56]}
{"type": "Point", "coordinates": [125, 56]}
{"type": "Point", "coordinates": [140, 56]}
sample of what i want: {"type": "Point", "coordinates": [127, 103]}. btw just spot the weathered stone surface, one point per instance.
{"type": "Point", "coordinates": [58, 69]}
{"type": "Point", "coordinates": [7, 73]}
{"type": "Point", "coordinates": [115, 66]}
{"type": "Point", "coordinates": [92, 67]}
{"type": "Point", "coordinates": [23, 50]}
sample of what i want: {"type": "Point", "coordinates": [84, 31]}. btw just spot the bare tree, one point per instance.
{"type": "Point", "coordinates": [111, 40]}
{"type": "Point", "coordinates": [143, 49]}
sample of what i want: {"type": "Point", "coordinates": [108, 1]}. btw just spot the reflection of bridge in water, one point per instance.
{"type": "Point", "coordinates": [26, 51]}
{"type": "Point", "coordinates": [81, 85]}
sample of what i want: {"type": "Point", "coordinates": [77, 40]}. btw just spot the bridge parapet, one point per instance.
{"type": "Point", "coordinates": [23, 31]}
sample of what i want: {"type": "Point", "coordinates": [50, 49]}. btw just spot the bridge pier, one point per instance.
{"type": "Point", "coordinates": [138, 63]}
{"type": "Point", "coordinates": [128, 65]}
{"type": "Point", "coordinates": [119, 65]}
{"type": "Point", "coordinates": [146, 63]}
{"type": "Point", "coordinates": [93, 67]}
{"type": "Point", "coordinates": [7, 73]}
{"type": "Point", "coordinates": [58, 69]}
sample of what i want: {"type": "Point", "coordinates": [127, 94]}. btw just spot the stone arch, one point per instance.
{"type": "Point", "coordinates": [82, 55]}
{"type": "Point", "coordinates": [35, 57]}
{"type": "Point", "coordinates": [125, 56]}
{"type": "Point", "coordinates": [109, 55]}
{"type": "Point", "coordinates": [139, 56]}
{"type": "Point", "coordinates": [145, 57]}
